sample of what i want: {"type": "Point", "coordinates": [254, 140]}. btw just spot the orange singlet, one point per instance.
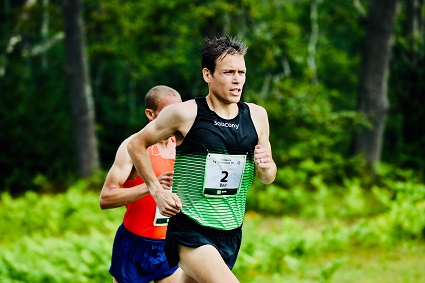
{"type": "Point", "coordinates": [139, 215]}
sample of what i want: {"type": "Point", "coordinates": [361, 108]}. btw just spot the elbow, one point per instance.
{"type": "Point", "coordinates": [136, 145]}
{"type": "Point", "coordinates": [103, 203]}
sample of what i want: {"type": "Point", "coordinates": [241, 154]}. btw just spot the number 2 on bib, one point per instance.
{"type": "Point", "coordinates": [223, 174]}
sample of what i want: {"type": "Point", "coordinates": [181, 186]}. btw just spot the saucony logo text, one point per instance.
{"type": "Point", "coordinates": [228, 125]}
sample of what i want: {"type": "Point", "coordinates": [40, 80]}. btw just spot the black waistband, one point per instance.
{"type": "Point", "coordinates": [182, 223]}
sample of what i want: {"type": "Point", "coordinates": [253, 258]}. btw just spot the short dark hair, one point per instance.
{"type": "Point", "coordinates": [152, 96]}
{"type": "Point", "coordinates": [219, 46]}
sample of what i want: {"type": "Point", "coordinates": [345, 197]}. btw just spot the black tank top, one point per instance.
{"type": "Point", "coordinates": [211, 134]}
{"type": "Point", "coordinates": [219, 135]}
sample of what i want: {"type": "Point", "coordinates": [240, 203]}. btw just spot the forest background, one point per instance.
{"type": "Point", "coordinates": [343, 83]}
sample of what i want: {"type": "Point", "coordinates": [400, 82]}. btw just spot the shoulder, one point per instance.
{"type": "Point", "coordinates": [122, 158]}
{"type": "Point", "coordinates": [122, 149]}
{"type": "Point", "coordinates": [259, 118]}
{"type": "Point", "coordinates": [256, 110]}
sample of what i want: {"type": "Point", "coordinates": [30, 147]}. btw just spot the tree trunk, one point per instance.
{"type": "Point", "coordinates": [372, 99]}
{"type": "Point", "coordinates": [314, 38]}
{"type": "Point", "coordinates": [82, 105]}
{"type": "Point", "coordinates": [414, 17]}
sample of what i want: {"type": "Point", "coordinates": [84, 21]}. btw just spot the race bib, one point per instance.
{"type": "Point", "coordinates": [160, 220]}
{"type": "Point", "coordinates": [223, 174]}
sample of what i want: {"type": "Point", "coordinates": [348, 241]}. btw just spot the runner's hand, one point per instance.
{"type": "Point", "coordinates": [262, 157]}
{"type": "Point", "coordinates": [166, 180]}
{"type": "Point", "coordinates": [169, 204]}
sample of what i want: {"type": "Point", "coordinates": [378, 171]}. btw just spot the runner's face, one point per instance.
{"type": "Point", "coordinates": [228, 79]}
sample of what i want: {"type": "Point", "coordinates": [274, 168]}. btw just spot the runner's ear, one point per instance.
{"type": "Point", "coordinates": [150, 114]}
{"type": "Point", "coordinates": [206, 74]}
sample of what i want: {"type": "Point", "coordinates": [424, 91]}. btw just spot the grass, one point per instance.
{"type": "Point", "coordinates": [351, 263]}
{"type": "Point", "coordinates": [401, 264]}
{"type": "Point", "coordinates": [50, 238]}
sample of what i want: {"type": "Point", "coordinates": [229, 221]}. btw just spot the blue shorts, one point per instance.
{"type": "Point", "coordinates": [184, 231]}
{"type": "Point", "coordinates": [138, 259]}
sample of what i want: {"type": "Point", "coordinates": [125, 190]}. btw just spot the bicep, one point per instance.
{"type": "Point", "coordinates": [174, 118]}
{"type": "Point", "coordinates": [165, 125]}
{"type": "Point", "coordinates": [265, 130]}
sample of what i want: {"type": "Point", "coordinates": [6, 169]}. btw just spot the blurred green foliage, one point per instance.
{"type": "Point", "coordinates": [135, 45]}
{"type": "Point", "coordinates": [67, 237]}
{"type": "Point", "coordinates": [324, 201]}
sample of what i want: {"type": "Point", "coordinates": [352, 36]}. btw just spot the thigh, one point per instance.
{"type": "Point", "coordinates": [187, 279]}
{"type": "Point", "coordinates": [173, 278]}
{"type": "Point", "coordinates": [205, 264]}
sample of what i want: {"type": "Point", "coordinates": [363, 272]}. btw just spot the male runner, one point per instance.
{"type": "Point", "coordinates": [221, 144]}
{"type": "Point", "coordinates": [138, 250]}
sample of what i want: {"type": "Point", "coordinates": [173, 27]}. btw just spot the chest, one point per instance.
{"type": "Point", "coordinates": [229, 135]}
